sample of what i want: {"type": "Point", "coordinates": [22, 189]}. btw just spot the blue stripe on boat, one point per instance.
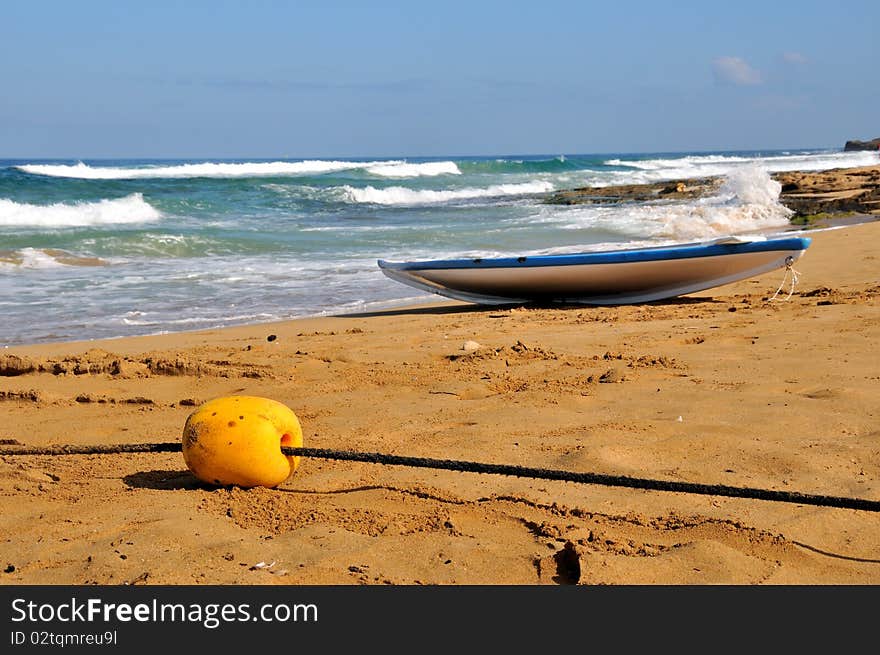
{"type": "Point", "coordinates": [609, 257]}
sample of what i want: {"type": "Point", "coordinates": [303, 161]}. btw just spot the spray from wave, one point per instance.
{"type": "Point", "coordinates": [748, 201]}
{"type": "Point", "coordinates": [130, 209]}
{"type": "Point", "coordinates": [753, 185]}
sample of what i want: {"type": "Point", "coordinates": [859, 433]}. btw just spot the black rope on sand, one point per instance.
{"type": "Point", "coordinates": [101, 449]}
{"type": "Point", "coordinates": [496, 469]}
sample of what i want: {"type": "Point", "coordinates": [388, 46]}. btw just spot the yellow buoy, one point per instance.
{"type": "Point", "coordinates": [236, 440]}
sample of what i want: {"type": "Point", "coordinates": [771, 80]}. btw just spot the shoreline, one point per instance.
{"type": "Point", "coordinates": [717, 387]}
{"type": "Point", "coordinates": [819, 223]}
{"type": "Point", "coordinates": [823, 223]}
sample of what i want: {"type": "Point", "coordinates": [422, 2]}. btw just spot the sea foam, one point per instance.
{"type": "Point", "coordinates": [46, 258]}
{"type": "Point", "coordinates": [28, 258]}
{"type": "Point", "coordinates": [130, 209]}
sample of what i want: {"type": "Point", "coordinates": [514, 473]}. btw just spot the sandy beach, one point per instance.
{"type": "Point", "coordinates": [719, 387]}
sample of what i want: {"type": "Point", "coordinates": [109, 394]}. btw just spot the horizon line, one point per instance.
{"type": "Point", "coordinates": [411, 156]}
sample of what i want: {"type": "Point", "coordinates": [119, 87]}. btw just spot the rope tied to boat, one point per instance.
{"type": "Point", "coordinates": [795, 276]}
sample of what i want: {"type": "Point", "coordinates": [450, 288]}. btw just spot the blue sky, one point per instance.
{"type": "Point", "coordinates": [264, 79]}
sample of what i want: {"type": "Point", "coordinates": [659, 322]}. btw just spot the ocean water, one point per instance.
{"type": "Point", "coordinates": [96, 249]}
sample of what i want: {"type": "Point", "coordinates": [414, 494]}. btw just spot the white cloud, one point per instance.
{"type": "Point", "coordinates": [734, 70]}
{"type": "Point", "coordinates": [794, 58]}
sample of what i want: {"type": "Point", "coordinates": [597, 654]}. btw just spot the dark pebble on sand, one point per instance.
{"type": "Point", "coordinates": [611, 376]}
{"type": "Point", "coordinates": [271, 337]}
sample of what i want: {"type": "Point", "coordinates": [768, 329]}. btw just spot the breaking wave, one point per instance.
{"type": "Point", "coordinates": [402, 196]}
{"type": "Point", "coordinates": [403, 169]}
{"type": "Point", "coordinates": [649, 170]}
{"type": "Point", "coordinates": [130, 209]}
{"type": "Point", "coordinates": [394, 168]}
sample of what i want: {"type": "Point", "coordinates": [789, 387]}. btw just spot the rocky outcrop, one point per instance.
{"type": "Point", "coordinates": [670, 190]}
{"type": "Point", "coordinates": [873, 144]}
{"type": "Point", "coordinates": [835, 191]}
{"type": "Point", "coordinates": [806, 193]}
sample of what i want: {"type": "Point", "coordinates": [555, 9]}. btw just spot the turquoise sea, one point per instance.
{"type": "Point", "coordinates": [101, 248]}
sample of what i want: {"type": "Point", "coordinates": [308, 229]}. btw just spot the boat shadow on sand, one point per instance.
{"type": "Point", "coordinates": [456, 307]}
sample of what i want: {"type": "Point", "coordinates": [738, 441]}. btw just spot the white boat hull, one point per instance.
{"type": "Point", "coordinates": [605, 278]}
